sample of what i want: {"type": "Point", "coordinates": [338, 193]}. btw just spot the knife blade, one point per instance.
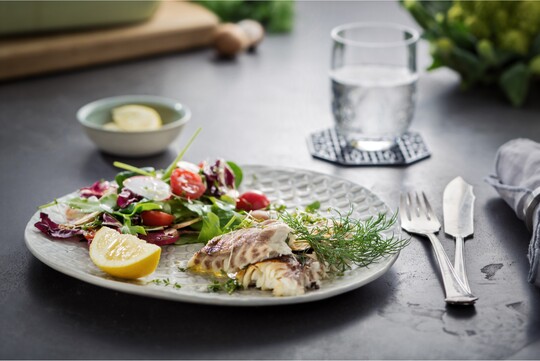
{"type": "Point", "coordinates": [458, 209]}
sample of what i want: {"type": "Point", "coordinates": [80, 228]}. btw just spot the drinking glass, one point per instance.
{"type": "Point", "coordinates": [373, 75]}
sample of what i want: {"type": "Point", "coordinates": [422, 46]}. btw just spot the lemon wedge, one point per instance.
{"type": "Point", "coordinates": [136, 118]}
{"type": "Point", "coordinates": [123, 255]}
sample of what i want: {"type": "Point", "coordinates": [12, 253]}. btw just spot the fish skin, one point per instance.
{"type": "Point", "coordinates": [234, 251]}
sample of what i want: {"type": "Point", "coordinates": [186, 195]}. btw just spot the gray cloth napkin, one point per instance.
{"type": "Point", "coordinates": [517, 179]}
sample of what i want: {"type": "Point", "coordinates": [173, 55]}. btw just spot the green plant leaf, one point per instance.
{"type": "Point", "coordinates": [134, 230]}
{"type": "Point", "coordinates": [210, 227]}
{"type": "Point", "coordinates": [135, 208]}
{"type": "Point", "coordinates": [238, 174]}
{"type": "Point", "coordinates": [468, 65]}
{"type": "Point", "coordinates": [281, 16]}
{"type": "Point", "coordinates": [108, 202]}
{"type": "Point", "coordinates": [85, 205]}
{"type": "Point", "coordinates": [461, 36]}
{"type": "Point", "coordinates": [435, 64]}
{"type": "Point", "coordinates": [122, 176]}
{"type": "Point", "coordinates": [535, 46]}
{"type": "Point", "coordinates": [515, 83]}
{"type": "Point", "coordinates": [422, 16]}
{"type": "Point", "coordinates": [435, 7]}
{"type": "Point", "coordinates": [313, 207]}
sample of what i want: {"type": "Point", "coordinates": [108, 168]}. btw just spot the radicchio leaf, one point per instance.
{"type": "Point", "coordinates": [219, 178]}
{"type": "Point", "coordinates": [110, 221]}
{"type": "Point", "coordinates": [127, 197]}
{"type": "Point", "coordinates": [161, 238]}
{"type": "Point", "coordinates": [55, 230]}
{"type": "Point", "coordinates": [97, 189]}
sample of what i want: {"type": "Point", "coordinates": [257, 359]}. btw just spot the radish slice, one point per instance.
{"type": "Point", "coordinates": [188, 166]}
{"type": "Point", "coordinates": [148, 187]}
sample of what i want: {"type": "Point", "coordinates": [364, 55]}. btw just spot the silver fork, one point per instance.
{"type": "Point", "coordinates": [417, 217]}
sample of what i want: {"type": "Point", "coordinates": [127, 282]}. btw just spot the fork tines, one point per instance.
{"type": "Point", "coordinates": [421, 206]}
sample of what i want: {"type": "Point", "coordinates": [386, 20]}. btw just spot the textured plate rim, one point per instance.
{"type": "Point", "coordinates": [210, 298]}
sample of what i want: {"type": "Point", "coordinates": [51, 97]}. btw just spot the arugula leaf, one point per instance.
{"type": "Point", "coordinates": [179, 210]}
{"type": "Point", "coordinates": [210, 227]}
{"type": "Point", "coordinates": [228, 216]}
{"type": "Point", "coordinates": [198, 208]}
{"type": "Point", "coordinates": [188, 239]}
{"type": "Point", "coordinates": [228, 199]}
{"type": "Point", "coordinates": [135, 208]}
{"type": "Point", "coordinates": [129, 229]}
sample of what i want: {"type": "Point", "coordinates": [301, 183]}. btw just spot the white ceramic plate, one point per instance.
{"type": "Point", "coordinates": [293, 187]}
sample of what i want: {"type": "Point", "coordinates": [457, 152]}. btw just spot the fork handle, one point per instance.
{"type": "Point", "coordinates": [456, 292]}
{"type": "Point", "coordinates": [459, 263]}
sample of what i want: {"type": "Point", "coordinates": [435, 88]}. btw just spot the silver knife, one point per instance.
{"type": "Point", "coordinates": [458, 204]}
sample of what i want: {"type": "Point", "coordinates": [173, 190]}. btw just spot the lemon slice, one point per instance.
{"type": "Point", "coordinates": [136, 118]}
{"type": "Point", "coordinates": [112, 126]}
{"type": "Point", "coordinates": [123, 255]}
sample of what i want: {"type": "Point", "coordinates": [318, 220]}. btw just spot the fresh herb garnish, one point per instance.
{"type": "Point", "coordinates": [166, 282]}
{"type": "Point", "coordinates": [343, 241]}
{"type": "Point", "coordinates": [313, 207]}
{"type": "Point", "coordinates": [229, 286]}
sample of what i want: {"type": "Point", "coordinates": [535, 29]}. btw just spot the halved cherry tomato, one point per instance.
{"type": "Point", "coordinates": [187, 184]}
{"type": "Point", "coordinates": [89, 235]}
{"type": "Point", "coordinates": [251, 201]}
{"type": "Point", "coordinates": [156, 218]}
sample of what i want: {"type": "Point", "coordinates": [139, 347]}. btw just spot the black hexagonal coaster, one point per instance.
{"type": "Point", "coordinates": [331, 146]}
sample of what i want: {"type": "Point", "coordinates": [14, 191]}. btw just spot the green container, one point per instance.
{"type": "Point", "coordinates": [26, 17]}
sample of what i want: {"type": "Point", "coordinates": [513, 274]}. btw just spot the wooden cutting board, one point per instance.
{"type": "Point", "coordinates": [175, 26]}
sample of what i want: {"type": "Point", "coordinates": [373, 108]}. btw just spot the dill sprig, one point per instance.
{"type": "Point", "coordinates": [342, 241]}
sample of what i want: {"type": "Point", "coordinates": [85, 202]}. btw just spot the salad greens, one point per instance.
{"type": "Point", "coordinates": [188, 203]}
{"type": "Point", "coordinates": [194, 219]}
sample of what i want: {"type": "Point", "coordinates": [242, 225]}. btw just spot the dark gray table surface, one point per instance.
{"type": "Point", "coordinates": [259, 109]}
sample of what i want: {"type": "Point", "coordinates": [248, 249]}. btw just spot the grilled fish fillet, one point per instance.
{"type": "Point", "coordinates": [234, 251]}
{"type": "Point", "coordinates": [285, 275]}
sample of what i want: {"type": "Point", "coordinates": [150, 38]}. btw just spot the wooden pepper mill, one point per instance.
{"type": "Point", "coordinates": [232, 39]}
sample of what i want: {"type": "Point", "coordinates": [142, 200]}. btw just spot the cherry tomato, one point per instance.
{"type": "Point", "coordinates": [251, 201]}
{"type": "Point", "coordinates": [187, 184]}
{"type": "Point", "coordinates": [156, 218]}
{"type": "Point", "coordinates": [89, 235]}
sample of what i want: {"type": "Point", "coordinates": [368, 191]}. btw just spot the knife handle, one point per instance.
{"type": "Point", "coordinates": [459, 263]}
{"type": "Point", "coordinates": [455, 290]}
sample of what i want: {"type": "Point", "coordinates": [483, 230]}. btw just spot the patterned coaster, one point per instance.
{"type": "Point", "coordinates": [331, 146]}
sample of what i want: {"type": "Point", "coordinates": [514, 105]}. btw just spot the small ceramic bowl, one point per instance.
{"type": "Point", "coordinates": [95, 115]}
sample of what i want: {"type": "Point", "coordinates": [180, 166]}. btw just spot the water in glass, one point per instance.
{"type": "Point", "coordinates": [376, 101]}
